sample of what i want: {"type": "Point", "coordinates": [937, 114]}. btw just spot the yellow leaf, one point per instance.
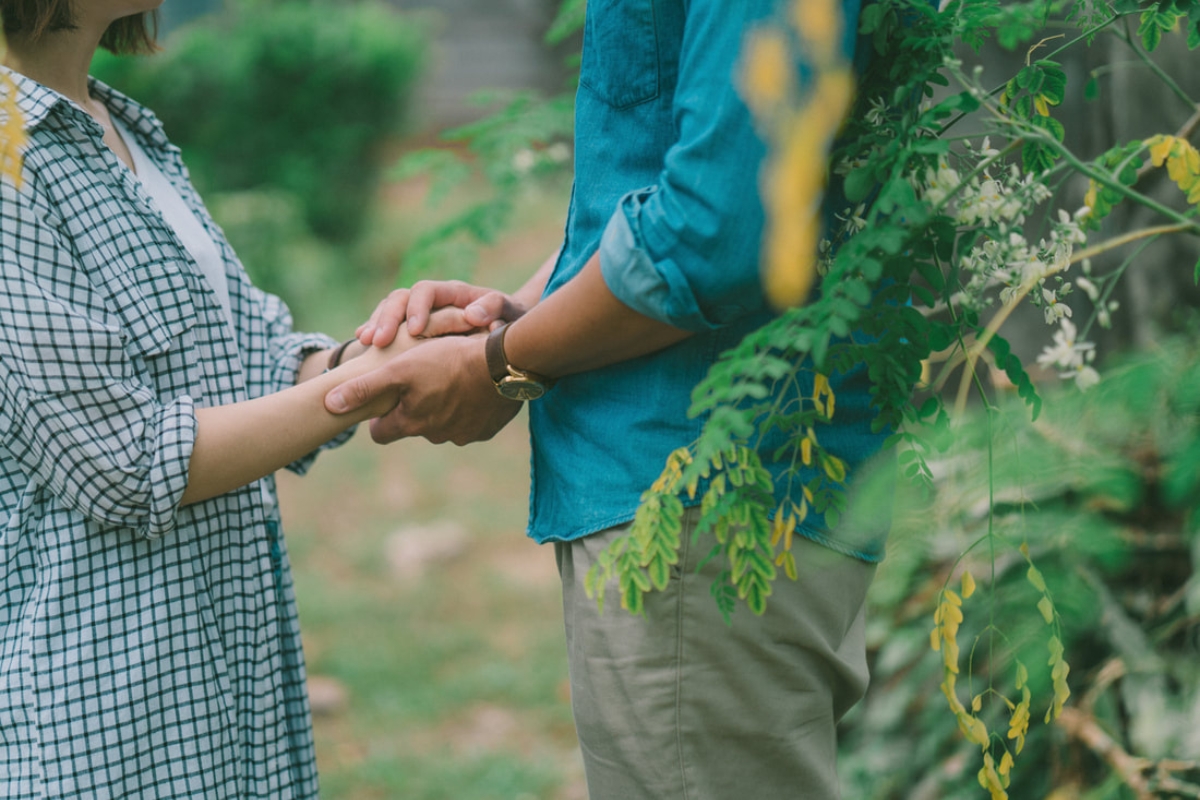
{"type": "Point", "coordinates": [1177, 168]}
{"type": "Point", "coordinates": [1006, 763]}
{"type": "Point", "coordinates": [1056, 650]}
{"type": "Point", "coordinates": [1043, 108]}
{"type": "Point", "coordinates": [1047, 609]}
{"type": "Point", "coordinates": [1160, 148]}
{"type": "Point", "coordinates": [768, 75]}
{"type": "Point", "coordinates": [968, 585]}
{"type": "Point", "coordinates": [1089, 200]}
{"type": "Point", "coordinates": [973, 729]}
{"type": "Point", "coordinates": [990, 779]}
{"type": "Point", "coordinates": [13, 138]}
{"type": "Point", "coordinates": [1035, 577]}
{"type": "Point", "coordinates": [806, 451]}
{"type": "Point", "coordinates": [795, 185]}
{"type": "Point", "coordinates": [820, 23]}
{"type": "Point", "coordinates": [977, 702]}
{"type": "Point", "coordinates": [778, 527]}
{"type": "Point", "coordinates": [835, 468]}
{"type": "Point", "coordinates": [1022, 675]}
{"type": "Point", "coordinates": [953, 598]}
{"type": "Point", "coordinates": [935, 640]}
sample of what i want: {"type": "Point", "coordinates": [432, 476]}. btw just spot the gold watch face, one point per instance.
{"type": "Point", "coordinates": [520, 389]}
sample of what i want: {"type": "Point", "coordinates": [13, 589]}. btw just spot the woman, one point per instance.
{"type": "Point", "coordinates": [148, 637]}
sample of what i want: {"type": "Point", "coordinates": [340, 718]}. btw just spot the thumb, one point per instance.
{"type": "Point", "coordinates": [491, 307]}
{"type": "Point", "coordinates": [356, 393]}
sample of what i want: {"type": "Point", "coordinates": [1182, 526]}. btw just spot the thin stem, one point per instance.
{"type": "Point", "coordinates": [1111, 281]}
{"type": "Point", "coordinates": [1107, 180]}
{"type": "Point", "coordinates": [1132, 236]}
{"type": "Point", "coordinates": [1157, 70]}
{"type": "Point", "coordinates": [1185, 132]}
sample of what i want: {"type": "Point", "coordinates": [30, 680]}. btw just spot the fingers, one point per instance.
{"type": "Point", "coordinates": [358, 392]}
{"type": "Point", "coordinates": [380, 330]}
{"type": "Point", "coordinates": [437, 308]}
{"type": "Point", "coordinates": [390, 427]}
{"type": "Point", "coordinates": [492, 308]}
{"type": "Point", "coordinates": [425, 296]}
{"type": "Point", "coordinates": [446, 322]}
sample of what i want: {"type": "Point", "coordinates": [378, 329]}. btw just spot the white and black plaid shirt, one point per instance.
{"type": "Point", "coordinates": [146, 651]}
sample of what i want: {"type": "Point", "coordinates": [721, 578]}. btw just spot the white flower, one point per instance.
{"type": "Point", "coordinates": [1065, 353]}
{"type": "Point", "coordinates": [877, 114]}
{"type": "Point", "coordinates": [939, 185]}
{"type": "Point", "coordinates": [524, 160]}
{"type": "Point", "coordinates": [1055, 310]}
{"type": "Point", "coordinates": [854, 220]}
{"type": "Point", "coordinates": [558, 152]}
{"type": "Point", "coordinates": [1085, 377]}
{"type": "Point", "coordinates": [1089, 288]}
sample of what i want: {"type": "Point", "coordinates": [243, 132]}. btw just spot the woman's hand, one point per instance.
{"type": "Point", "coordinates": [438, 308]}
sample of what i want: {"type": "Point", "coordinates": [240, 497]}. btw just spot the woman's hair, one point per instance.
{"type": "Point", "coordinates": [133, 34]}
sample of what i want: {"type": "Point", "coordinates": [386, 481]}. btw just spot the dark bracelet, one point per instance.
{"type": "Point", "coordinates": [335, 358]}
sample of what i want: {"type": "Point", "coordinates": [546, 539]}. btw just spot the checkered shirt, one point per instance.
{"type": "Point", "coordinates": [146, 650]}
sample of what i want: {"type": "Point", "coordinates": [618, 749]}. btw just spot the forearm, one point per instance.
{"type": "Point", "coordinates": [316, 363]}
{"type": "Point", "coordinates": [583, 326]}
{"type": "Point", "coordinates": [242, 442]}
{"type": "Point", "coordinates": [529, 294]}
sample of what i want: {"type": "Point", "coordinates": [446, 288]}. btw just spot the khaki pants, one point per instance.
{"type": "Point", "coordinates": [680, 706]}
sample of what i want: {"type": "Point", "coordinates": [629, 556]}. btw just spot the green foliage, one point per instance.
{"type": "Point", "coordinates": [523, 141]}
{"type": "Point", "coordinates": [1105, 491]}
{"type": "Point", "coordinates": [945, 228]}
{"type": "Point", "coordinates": [292, 96]}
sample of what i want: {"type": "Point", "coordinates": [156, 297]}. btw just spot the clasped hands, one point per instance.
{"type": "Point", "coordinates": [440, 384]}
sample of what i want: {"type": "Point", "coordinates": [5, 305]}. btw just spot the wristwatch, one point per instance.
{"type": "Point", "coordinates": [511, 383]}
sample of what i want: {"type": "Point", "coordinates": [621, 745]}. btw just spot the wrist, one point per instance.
{"type": "Point", "coordinates": [511, 382]}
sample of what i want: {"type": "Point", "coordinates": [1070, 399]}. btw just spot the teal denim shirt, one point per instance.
{"type": "Point", "coordinates": [667, 164]}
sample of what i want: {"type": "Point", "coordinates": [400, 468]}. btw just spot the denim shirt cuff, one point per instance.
{"type": "Point", "coordinates": [637, 280]}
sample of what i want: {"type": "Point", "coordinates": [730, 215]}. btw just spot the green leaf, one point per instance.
{"type": "Point", "coordinates": [1054, 82]}
{"type": "Point", "coordinates": [859, 184]}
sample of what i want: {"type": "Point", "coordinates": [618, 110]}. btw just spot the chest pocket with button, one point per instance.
{"type": "Point", "coordinates": [620, 52]}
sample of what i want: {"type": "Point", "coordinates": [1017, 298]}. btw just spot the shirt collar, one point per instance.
{"type": "Point", "coordinates": [36, 102]}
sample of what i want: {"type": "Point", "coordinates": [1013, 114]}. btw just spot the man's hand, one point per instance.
{"type": "Point", "coordinates": [444, 390]}
{"type": "Point", "coordinates": [437, 308]}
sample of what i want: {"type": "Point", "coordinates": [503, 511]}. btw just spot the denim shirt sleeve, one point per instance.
{"type": "Point", "coordinates": [686, 251]}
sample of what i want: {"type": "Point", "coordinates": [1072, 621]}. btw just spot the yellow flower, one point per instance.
{"type": "Point", "coordinates": [768, 76]}
{"type": "Point", "coordinates": [12, 130]}
{"type": "Point", "coordinates": [819, 23]}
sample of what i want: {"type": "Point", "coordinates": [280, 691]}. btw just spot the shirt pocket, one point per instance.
{"type": "Point", "coordinates": [620, 52]}
{"type": "Point", "coordinates": [158, 318]}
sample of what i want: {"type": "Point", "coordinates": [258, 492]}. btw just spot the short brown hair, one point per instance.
{"type": "Point", "coordinates": [133, 34]}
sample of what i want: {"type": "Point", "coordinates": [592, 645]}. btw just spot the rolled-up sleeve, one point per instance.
{"type": "Point", "coordinates": [686, 250]}
{"type": "Point", "coordinates": [72, 412]}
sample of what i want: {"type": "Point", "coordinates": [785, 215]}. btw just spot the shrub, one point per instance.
{"type": "Point", "coordinates": [289, 95]}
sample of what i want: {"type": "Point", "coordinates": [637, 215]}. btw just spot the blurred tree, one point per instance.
{"type": "Point", "coordinates": [290, 95]}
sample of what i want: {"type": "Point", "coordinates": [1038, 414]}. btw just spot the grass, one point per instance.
{"type": "Point", "coordinates": [455, 675]}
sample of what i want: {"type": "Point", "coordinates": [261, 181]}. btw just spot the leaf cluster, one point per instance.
{"type": "Point", "coordinates": [1101, 494]}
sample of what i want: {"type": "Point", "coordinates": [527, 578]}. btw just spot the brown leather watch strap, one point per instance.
{"type": "Point", "coordinates": [493, 352]}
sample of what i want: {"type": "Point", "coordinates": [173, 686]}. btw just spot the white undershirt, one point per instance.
{"type": "Point", "coordinates": [177, 214]}
{"type": "Point", "coordinates": [189, 230]}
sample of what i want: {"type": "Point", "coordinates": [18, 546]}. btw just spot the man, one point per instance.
{"type": "Point", "coordinates": [658, 274]}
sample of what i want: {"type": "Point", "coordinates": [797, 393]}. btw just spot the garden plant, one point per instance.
{"type": "Point", "coordinates": [957, 201]}
{"type": "Point", "coordinates": [1046, 541]}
